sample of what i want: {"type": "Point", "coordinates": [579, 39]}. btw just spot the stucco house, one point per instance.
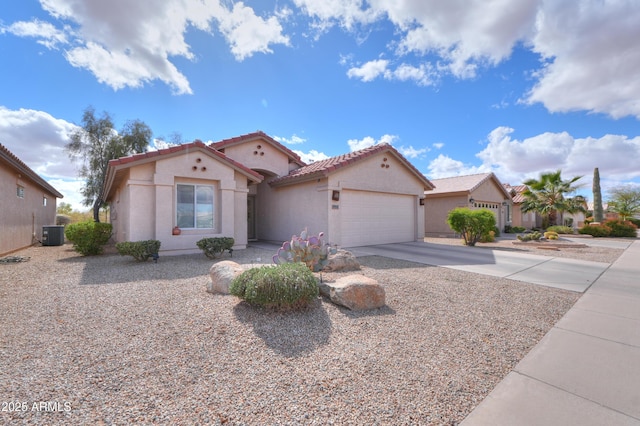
{"type": "Point", "coordinates": [28, 203]}
{"type": "Point", "coordinates": [474, 191]}
{"type": "Point", "coordinates": [252, 187]}
{"type": "Point", "coordinates": [527, 220]}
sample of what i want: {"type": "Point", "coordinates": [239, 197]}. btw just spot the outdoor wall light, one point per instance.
{"type": "Point", "coordinates": [422, 201]}
{"type": "Point", "coordinates": [471, 200]}
{"type": "Point", "coordinates": [335, 195]}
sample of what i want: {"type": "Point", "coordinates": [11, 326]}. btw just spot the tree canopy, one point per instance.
{"type": "Point", "coordinates": [625, 200]}
{"type": "Point", "coordinates": [97, 142]}
{"type": "Point", "coordinates": [548, 196]}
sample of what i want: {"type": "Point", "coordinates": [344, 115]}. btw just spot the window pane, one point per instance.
{"type": "Point", "coordinates": [205, 195]}
{"type": "Point", "coordinates": [205, 216]}
{"type": "Point", "coordinates": [185, 194]}
{"type": "Point", "coordinates": [185, 215]}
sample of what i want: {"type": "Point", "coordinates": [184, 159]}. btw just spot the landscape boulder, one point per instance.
{"type": "Point", "coordinates": [221, 274]}
{"type": "Point", "coordinates": [342, 260]}
{"type": "Point", "coordinates": [356, 292]}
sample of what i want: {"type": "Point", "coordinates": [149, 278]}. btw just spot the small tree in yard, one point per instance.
{"type": "Point", "coordinates": [472, 224]}
{"type": "Point", "coordinates": [625, 200]}
{"type": "Point", "coordinates": [97, 142]}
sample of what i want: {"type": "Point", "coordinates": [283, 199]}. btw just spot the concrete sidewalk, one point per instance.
{"type": "Point", "coordinates": [586, 369]}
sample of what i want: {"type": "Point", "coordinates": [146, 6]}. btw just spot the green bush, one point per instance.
{"type": "Point", "coordinates": [515, 229]}
{"type": "Point", "coordinates": [595, 230]}
{"type": "Point", "coordinates": [622, 228]}
{"type": "Point", "coordinates": [140, 250]}
{"type": "Point", "coordinates": [635, 221]}
{"type": "Point", "coordinates": [489, 237]}
{"type": "Point", "coordinates": [531, 236]}
{"type": "Point", "coordinates": [214, 247]}
{"type": "Point", "coordinates": [88, 238]}
{"type": "Point", "coordinates": [558, 229]}
{"type": "Point", "coordinates": [285, 286]}
{"type": "Point", "coordinates": [471, 224]}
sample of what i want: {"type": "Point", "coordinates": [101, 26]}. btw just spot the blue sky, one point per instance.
{"type": "Point", "coordinates": [459, 87]}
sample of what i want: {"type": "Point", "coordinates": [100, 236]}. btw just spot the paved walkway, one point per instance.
{"type": "Point", "coordinates": [586, 369]}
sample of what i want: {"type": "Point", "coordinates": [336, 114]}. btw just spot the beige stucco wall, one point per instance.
{"type": "Point", "coordinates": [285, 211]}
{"type": "Point", "coordinates": [260, 155]}
{"type": "Point", "coordinates": [488, 195]}
{"type": "Point", "coordinates": [436, 211]}
{"type": "Point", "coordinates": [146, 202]}
{"type": "Point", "coordinates": [22, 219]}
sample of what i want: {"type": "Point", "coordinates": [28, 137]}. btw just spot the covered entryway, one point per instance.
{"type": "Point", "coordinates": [376, 218]}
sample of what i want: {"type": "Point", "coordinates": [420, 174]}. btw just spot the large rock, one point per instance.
{"type": "Point", "coordinates": [221, 274]}
{"type": "Point", "coordinates": [356, 292]}
{"type": "Point", "coordinates": [342, 260]}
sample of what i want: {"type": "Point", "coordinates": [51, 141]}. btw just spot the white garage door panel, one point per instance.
{"type": "Point", "coordinates": [376, 218]}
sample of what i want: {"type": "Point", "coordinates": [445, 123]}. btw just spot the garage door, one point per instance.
{"type": "Point", "coordinates": [369, 218]}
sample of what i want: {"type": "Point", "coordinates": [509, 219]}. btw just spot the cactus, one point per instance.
{"type": "Point", "coordinates": [311, 251]}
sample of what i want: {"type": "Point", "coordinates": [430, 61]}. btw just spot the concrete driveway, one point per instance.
{"type": "Point", "coordinates": [567, 274]}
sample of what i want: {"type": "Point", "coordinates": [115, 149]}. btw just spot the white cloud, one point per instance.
{"type": "Point", "coordinates": [411, 152]}
{"type": "Point", "coordinates": [438, 145]}
{"type": "Point", "coordinates": [311, 156]}
{"type": "Point", "coordinates": [38, 140]}
{"type": "Point", "coordinates": [516, 160]}
{"type": "Point", "coordinates": [369, 71]}
{"type": "Point", "coordinates": [367, 141]}
{"type": "Point", "coordinates": [444, 166]}
{"type": "Point", "coordinates": [128, 44]}
{"type": "Point", "coordinates": [346, 13]}
{"type": "Point", "coordinates": [592, 59]}
{"type": "Point", "coordinates": [294, 140]}
{"type": "Point", "coordinates": [47, 34]}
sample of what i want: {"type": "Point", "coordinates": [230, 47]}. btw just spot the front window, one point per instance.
{"type": "Point", "coordinates": [194, 206]}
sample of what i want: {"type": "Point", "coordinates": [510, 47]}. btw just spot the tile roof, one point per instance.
{"type": "Point", "coordinates": [125, 162]}
{"type": "Point", "coordinates": [323, 168]}
{"type": "Point", "coordinates": [20, 166]}
{"type": "Point", "coordinates": [153, 155]}
{"type": "Point", "coordinates": [518, 189]}
{"type": "Point", "coordinates": [221, 145]}
{"type": "Point", "coordinates": [467, 183]}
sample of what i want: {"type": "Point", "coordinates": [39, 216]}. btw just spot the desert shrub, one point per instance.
{"type": "Point", "coordinates": [214, 247]}
{"type": "Point", "coordinates": [595, 230]}
{"type": "Point", "coordinates": [635, 221]}
{"type": "Point", "coordinates": [471, 224]}
{"type": "Point", "coordinates": [88, 238]}
{"type": "Point", "coordinates": [516, 229]}
{"type": "Point", "coordinates": [489, 237]}
{"type": "Point", "coordinates": [621, 228]}
{"type": "Point", "coordinates": [558, 229]}
{"type": "Point", "coordinates": [285, 286]}
{"type": "Point", "coordinates": [63, 219]}
{"type": "Point", "coordinates": [531, 236]}
{"type": "Point", "coordinates": [551, 235]}
{"type": "Point", "coordinates": [308, 249]}
{"type": "Point", "coordinates": [140, 250]}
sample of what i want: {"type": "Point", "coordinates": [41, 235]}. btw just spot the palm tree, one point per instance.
{"type": "Point", "coordinates": [547, 196]}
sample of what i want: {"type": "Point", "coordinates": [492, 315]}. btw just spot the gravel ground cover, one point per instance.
{"type": "Point", "coordinates": [106, 340]}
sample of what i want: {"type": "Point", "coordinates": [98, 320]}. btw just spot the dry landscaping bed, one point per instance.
{"type": "Point", "coordinates": [119, 342]}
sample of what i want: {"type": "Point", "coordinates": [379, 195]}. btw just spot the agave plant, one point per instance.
{"type": "Point", "coordinates": [310, 250]}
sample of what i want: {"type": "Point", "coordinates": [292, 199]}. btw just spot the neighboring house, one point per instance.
{"type": "Point", "coordinates": [474, 191]}
{"type": "Point", "coordinates": [28, 203]}
{"type": "Point", "coordinates": [528, 220]}
{"type": "Point", "coordinates": [252, 187]}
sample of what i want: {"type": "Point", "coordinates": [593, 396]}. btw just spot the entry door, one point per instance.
{"type": "Point", "coordinates": [251, 217]}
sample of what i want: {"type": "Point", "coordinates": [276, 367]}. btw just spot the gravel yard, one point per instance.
{"type": "Point", "coordinates": [106, 340]}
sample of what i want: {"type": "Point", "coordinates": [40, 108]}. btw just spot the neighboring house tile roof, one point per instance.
{"type": "Point", "coordinates": [518, 190]}
{"type": "Point", "coordinates": [293, 157]}
{"type": "Point", "coordinates": [464, 184]}
{"type": "Point", "coordinates": [21, 167]}
{"type": "Point", "coordinates": [125, 162]}
{"type": "Point", "coordinates": [323, 168]}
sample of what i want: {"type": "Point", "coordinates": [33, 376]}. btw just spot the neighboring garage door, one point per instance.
{"type": "Point", "coordinates": [376, 218]}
